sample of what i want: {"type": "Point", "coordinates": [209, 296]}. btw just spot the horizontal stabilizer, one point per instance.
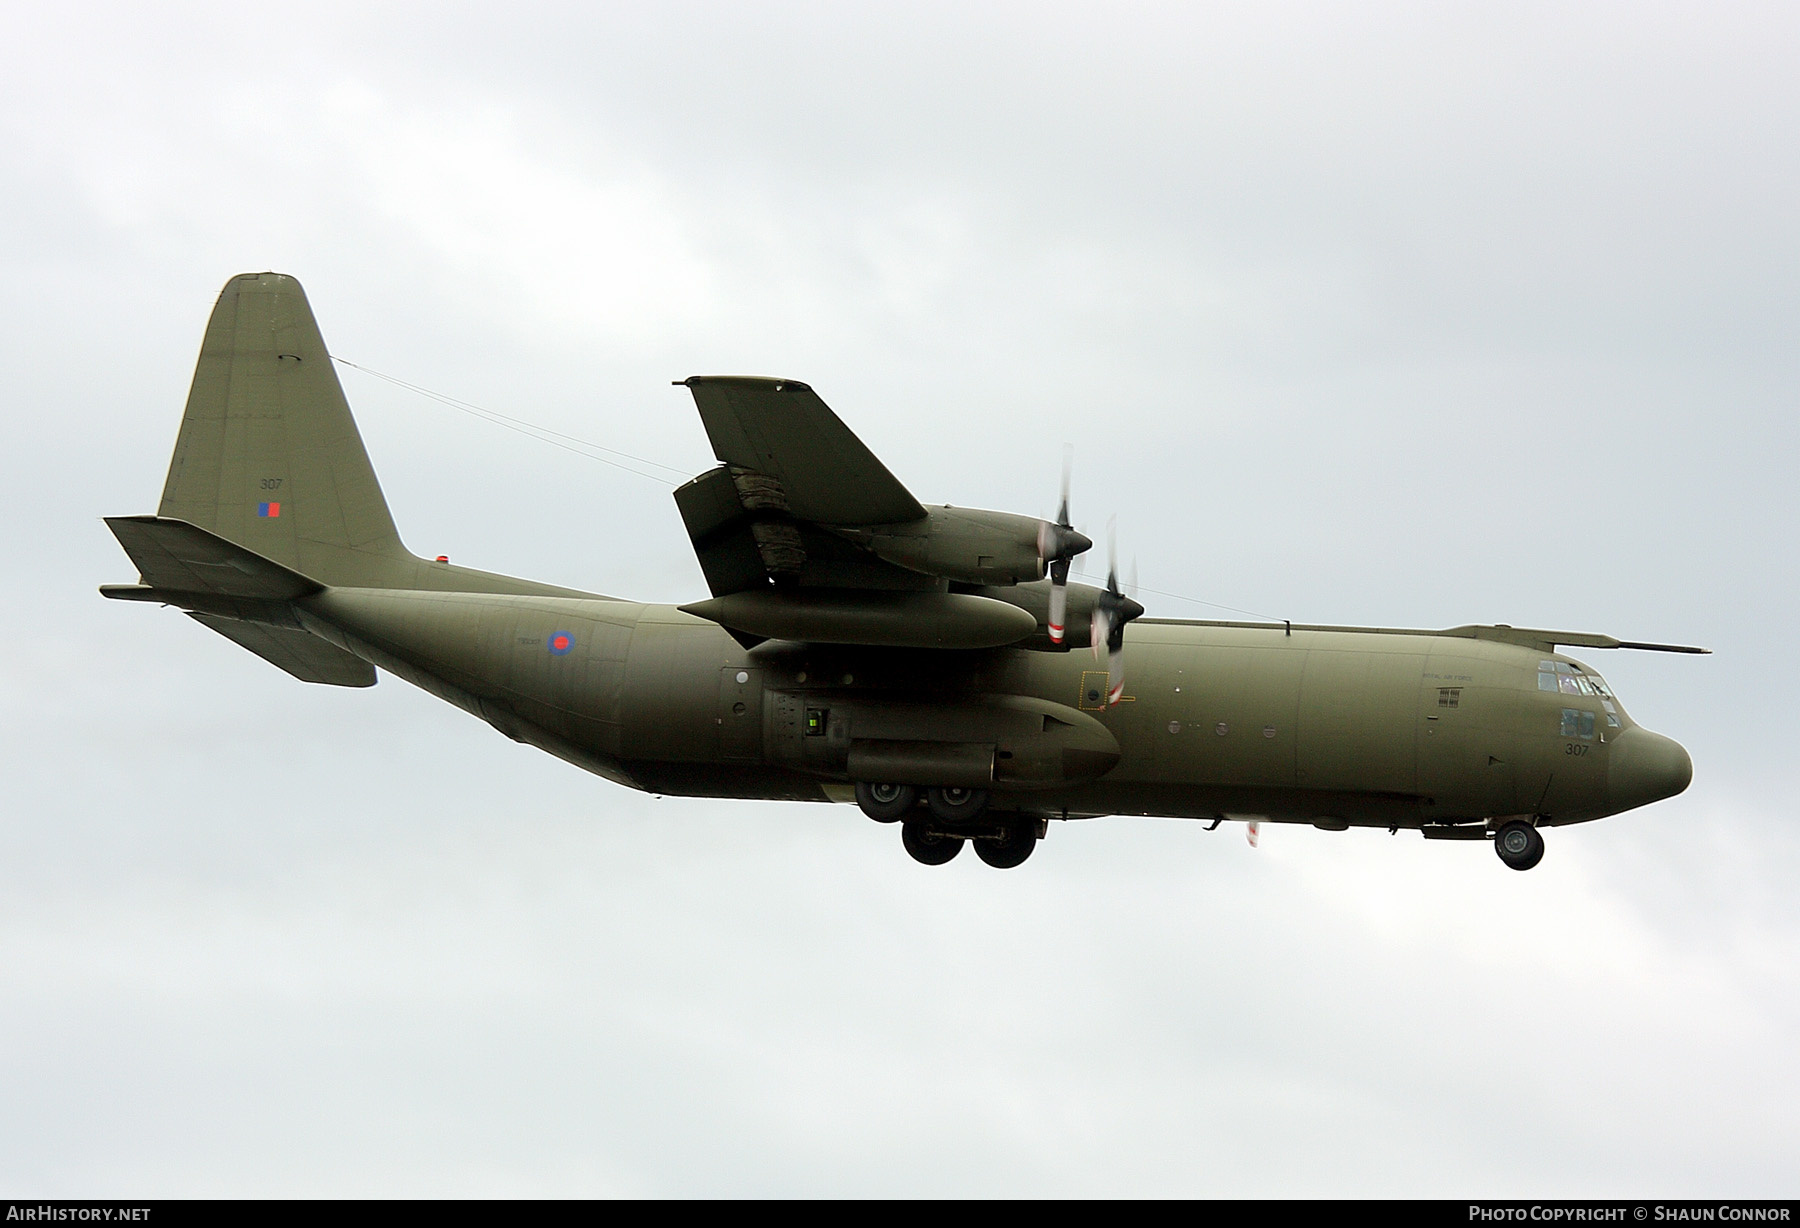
{"type": "Point", "coordinates": [305, 656]}
{"type": "Point", "coordinates": [177, 557]}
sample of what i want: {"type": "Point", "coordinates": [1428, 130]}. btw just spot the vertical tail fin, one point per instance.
{"type": "Point", "coordinates": [269, 456]}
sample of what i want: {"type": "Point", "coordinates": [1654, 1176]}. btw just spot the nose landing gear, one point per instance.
{"type": "Point", "coordinates": [1520, 845]}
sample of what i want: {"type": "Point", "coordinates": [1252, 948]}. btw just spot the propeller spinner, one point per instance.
{"type": "Point", "coordinates": [1112, 610]}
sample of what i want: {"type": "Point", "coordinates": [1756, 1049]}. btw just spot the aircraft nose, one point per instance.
{"type": "Point", "coordinates": [1646, 767]}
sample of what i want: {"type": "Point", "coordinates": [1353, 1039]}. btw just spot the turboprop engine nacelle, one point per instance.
{"type": "Point", "coordinates": [962, 544]}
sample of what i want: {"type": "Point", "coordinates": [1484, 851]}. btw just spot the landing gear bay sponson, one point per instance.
{"type": "Point", "coordinates": [923, 661]}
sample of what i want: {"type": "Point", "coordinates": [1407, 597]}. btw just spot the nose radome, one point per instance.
{"type": "Point", "coordinates": [1646, 767]}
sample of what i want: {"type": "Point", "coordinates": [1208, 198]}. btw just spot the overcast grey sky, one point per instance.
{"type": "Point", "coordinates": [1408, 315]}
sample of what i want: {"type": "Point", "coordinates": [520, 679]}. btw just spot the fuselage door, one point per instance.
{"type": "Point", "coordinates": [1470, 751]}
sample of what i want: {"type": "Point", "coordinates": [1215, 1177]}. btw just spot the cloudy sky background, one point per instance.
{"type": "Point", "coordinates": [1404, 315]}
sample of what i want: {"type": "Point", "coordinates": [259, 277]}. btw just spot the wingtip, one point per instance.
{"type": "Point", "coordinates": [778, 383]}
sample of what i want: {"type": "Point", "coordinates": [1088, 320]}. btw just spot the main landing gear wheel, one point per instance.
{"type": "Point", "coordinates": [1011, 848]}
{"type": "Point", "coordinates": [926, 846]}
{"type": "Point", "coordinates": [1520, 845]}
{"type": "Point", "coordinates": [954, 804]}
{"type": "Point", "coordinates": [886, 803]}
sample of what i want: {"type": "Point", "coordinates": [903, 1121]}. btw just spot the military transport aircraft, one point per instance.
{"type": "Point", "coordinates": [859, 645]}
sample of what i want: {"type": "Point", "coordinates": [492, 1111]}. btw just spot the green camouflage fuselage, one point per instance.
{"type": "Point", "coordinates": [857, 643]}
{"type": "Point", "coordinates": [1314, 726]}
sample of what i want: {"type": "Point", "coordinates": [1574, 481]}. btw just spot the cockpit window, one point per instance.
{"type": "Point", "coordinates": [1567, 678]}
{"type": "Point", "coordinates": [1577, 724]}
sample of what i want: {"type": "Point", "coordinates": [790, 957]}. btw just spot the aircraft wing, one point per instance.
{"type": "Point", "coordinates": [811, 464]}
{"type": "Point", "coordinates": [803, 534]}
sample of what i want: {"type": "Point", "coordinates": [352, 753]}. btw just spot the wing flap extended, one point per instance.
{"type": "Point", "coordinates": [790, 453]}
{"type": "Point", "coordinates": [741, 548]}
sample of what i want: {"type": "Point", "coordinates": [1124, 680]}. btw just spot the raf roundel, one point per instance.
{"type": "Point", "coordinates": [560, 643]}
